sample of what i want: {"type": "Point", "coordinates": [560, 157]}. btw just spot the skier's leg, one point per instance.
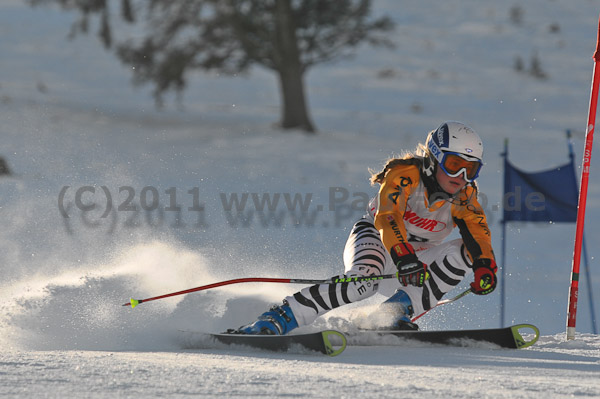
{"type": "Point", "coordinates": [364, 255]}
{"type": "Point", "coordinates": [448, 264]}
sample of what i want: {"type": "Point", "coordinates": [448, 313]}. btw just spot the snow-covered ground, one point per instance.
{"type": "Point", "coordinates": [70, 122]}
{"type": "Point", "coordinates": [555, 369]}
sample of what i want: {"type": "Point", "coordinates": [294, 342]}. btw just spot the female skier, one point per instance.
{"type": "Point", "coordinates": [421, 198]}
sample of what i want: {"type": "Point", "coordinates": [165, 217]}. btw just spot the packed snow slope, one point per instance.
{"type": "Point", "coordinates": [112, 199]}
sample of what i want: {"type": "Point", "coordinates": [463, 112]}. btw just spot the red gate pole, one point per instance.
{"type": "Point", "coordinates": [585, 174]}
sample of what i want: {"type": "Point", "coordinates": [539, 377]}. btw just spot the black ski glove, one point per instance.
{"type": "Point", "coordinates": [485, 276]}
{"type": "Point", "coordinates": [411, 271]}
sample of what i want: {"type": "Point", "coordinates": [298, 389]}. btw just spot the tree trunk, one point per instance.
{"type": "Point", "coordinates": [294, 113]}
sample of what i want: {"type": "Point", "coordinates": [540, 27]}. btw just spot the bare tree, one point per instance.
{"type": "Point", "coordinates": [287, 37]}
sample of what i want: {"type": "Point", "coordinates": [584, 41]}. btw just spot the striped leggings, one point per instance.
{"type": "Point", "coordinates": [365, 255]}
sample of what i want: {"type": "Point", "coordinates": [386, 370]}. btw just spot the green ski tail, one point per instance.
{"type": "Point", "coordinates": [330, 348]}
{"type": "Point", "coordinates": [519, 340]}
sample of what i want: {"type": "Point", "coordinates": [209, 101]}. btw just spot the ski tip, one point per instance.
{"type": "Point", "coordinates": [519, 340]}
{"type": "Point", "coordinates": [334, 348]}
{"type": "Point", "coordinates": [134, 303]}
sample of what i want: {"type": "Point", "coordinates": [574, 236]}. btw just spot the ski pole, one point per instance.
{"type": "Point", "coordinates": [445, 301]}
{"type": "Point", "coordinates": [583, 192]}
{"type": "Point", "coordinates": [336, 280]}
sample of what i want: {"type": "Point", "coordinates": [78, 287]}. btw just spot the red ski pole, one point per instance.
{"type": "Point", "coordinates": [585, 174]}
{"type": "Point", "coordinates": [337, 280]}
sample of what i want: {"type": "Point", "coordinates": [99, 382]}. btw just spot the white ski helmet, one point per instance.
{"type": "Point", "coordinates": [456, 148]}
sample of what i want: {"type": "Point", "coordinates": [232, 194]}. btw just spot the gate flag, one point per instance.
{"type": "Point", "coordinates": [548, 196]}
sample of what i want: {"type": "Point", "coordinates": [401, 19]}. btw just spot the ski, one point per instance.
{"type": "Point", "coordinates": [332, 343]}
{"type": "Point", "coordinates": [507, 337]}
{"type": "Point", "coordinates": [328, 342]}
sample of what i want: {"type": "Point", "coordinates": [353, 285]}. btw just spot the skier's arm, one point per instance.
{"type": "Point", "coordinates": [393, 195]}
{"type": "Point", "coordinates": [472, 223]}
{"type": "Point", "coordinates": [389, 220]}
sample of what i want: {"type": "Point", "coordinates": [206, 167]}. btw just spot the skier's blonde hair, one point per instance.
{"type": "Point", "coordinates": [414, 157]}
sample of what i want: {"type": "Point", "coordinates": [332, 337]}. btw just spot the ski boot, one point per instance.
{"type": "Point", "coordinates": [399, 308]}
{"type": "Point", "coordinates": [279, 320]}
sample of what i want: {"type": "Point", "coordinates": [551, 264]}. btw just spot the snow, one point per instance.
{"type": "Point", "coordinates": [70, 119]}
{"type": "Point", "coordinates": [555, 369]}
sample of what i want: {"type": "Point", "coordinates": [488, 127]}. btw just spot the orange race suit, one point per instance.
{"type": "Point", "coordinates": [404, 213]}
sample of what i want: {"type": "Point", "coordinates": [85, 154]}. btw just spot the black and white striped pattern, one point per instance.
{"type": "Point", "coordinates": [448, 275]}
{"type": "Point", "coordinates": [365, 255]}
{"type": "Point", "coordinates": [448, 265]}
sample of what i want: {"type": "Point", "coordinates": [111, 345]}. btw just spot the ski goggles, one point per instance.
{"type": "Point", "coordinates": [453, 164]}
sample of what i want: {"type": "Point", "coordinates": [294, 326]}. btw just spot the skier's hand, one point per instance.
{"type": "Point", "coordinates": [485, 276]}
{"type": "Point", "coordinates": [411, 271]}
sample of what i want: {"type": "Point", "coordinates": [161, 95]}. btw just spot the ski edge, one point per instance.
{"type": "Point", "coordinates": [520, 342]}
